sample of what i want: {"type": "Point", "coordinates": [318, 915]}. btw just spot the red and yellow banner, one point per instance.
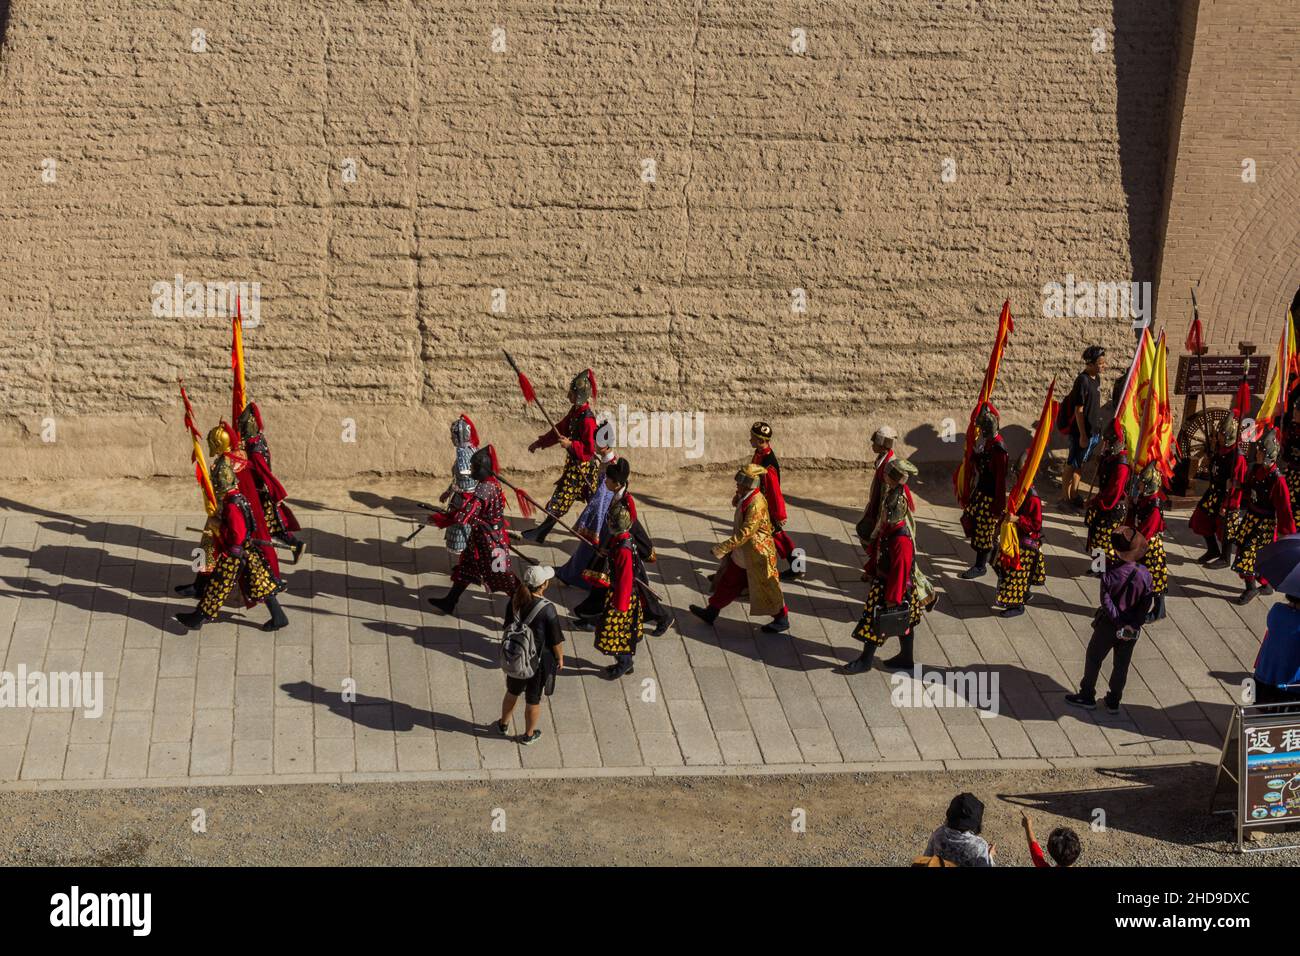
{"type": "Point", "coordinates": [1133, 400]}
{"type": "Point", "coordinates": [1285, 366]}
{"type": "Point", "coordinates": [964, 476]}
{"type": "Point", "coordinates": [1009, 539]}
{"type": "Point", "coordinates": [200, 463]}
{"type": "Point", "coordinates": [239, 395]}
{"type": "Point", "coordinates": [1155, 438]}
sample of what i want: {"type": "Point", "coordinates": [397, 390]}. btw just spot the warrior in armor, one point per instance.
{"type": "Point", "coordinates": [1105, 509]}
{"type": "Point", "coordinates": [279, 519]}
{"type": "Point", "coordinates": [1218, 510]}
{"type": "Point", "coordinates": [486, 558]}
{"type": "Point", "coordinates": [464, 438]}
{"type": "Point", "coordinates": [576, 431]}
{"type": "Point", "coordinates": [619, 630]}
{"type": "Point", "coordinates": [1289, 460]}
{"type": "Point", "coordinates": [988, 497]}
{"type": "Point", "coordinates": [748, 558]}
{"type": "Point", "coordinates": [1147, 518]}
{"type": "Point", "coordinates": [643, 553]}
{"type": "Point", "coordinates": [1265, 515]}
{"type": "Point", "coordinates": [760, 439]}
{"type": "Point", "coordinates": [240, 558]}
{"type": "Point", "coordinates": [891, 563]}
{"type": "Point", "coordinates": [1015, 582]}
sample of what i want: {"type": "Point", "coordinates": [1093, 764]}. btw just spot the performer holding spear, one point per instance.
{"type": "Point", "coordinates": [576, 432]}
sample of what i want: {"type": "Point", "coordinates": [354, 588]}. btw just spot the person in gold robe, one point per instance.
{"type": "Point", "coordinates": [748, 558]}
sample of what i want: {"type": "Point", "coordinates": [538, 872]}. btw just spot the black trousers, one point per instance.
{"type": "Point", "coordinates": [1106, 641]}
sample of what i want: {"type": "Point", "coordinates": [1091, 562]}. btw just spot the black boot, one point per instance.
{"type": "Point", "coordinates": [708, 614]}
{"type": "Point", "coordinates": [194, 619]}
{"type": "Point", "coordinates": [538, 535]}
{"type": "Point", "coordinates": [189, 590]}
{"type": "Point", "coordinates": [1249, 592]}
{"type": "Point", "coordinates": [1212, 552]}
{"type": "Point", "coordinates": [1225, 558]}
{"type": "Point", "coordinates": [862, 663]}
{"type": "Point", "coordinates": [447, 603]}
{"type": "Point", "coordinates": [661, 626]}
{"type": "Point", "coordinates": [979, 568]}
{"type": "Point", "coordinates": [299, 546]}
{"type": "Point", "coordinates": [278, 618]}
{"type": "Point", "coordinates": [902, 661]}
{"type": "Point", "coordinates": [1157, 612]}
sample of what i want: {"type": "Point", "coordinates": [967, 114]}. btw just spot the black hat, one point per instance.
{"type": "Point", "coordinates": [1129, 543]}
{"type": "Point", "coordinates": [966, 813]}
{"type": "Point", "coordinates": [618, 469]}
{"type": "Point", "coordinates": [1092, 353]}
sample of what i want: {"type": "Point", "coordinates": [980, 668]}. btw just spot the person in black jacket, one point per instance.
{"type": "Point", "coordinates": [550, 643]}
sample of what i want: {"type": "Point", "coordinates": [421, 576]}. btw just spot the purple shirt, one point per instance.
{"type": "Point", "coordinates": [1126, 593]}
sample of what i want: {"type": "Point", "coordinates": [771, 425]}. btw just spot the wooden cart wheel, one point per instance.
{"type": "Point", "coordinates": [1192, 440]}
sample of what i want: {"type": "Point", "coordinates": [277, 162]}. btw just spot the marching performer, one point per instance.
{"type": "Point", "coordinates": [984, 510]}
{"type": "Point", "coordinates": [1105, 508]}
{"type": "Point", "coordinates": [1015, 582]}
{"type": "Point", "coordinates": [1219, 506]}
{"type": "Point", "coordinates": [464, 439]}
{"type": "Point", "coordinates": [240, 558]}
{"type": "Point", "coordinates": [486, 558]}
{"type": "Point", "coordinates": [591, 523]}
{"type": "Point", "coordinates": [882, 446]}
{"type": "Point", "coordinates": [1147, 518]}
{"type": "Point", "coordinates": [1265, 515]}
{"type": "Point", "coordinates": [892, 592]}
{"type": "Point", "coordinates": [619, 631]}
{"type": "Point", "coordinates": [280, 520]}
{"type": "Point", "coordinates": [748, 558]}
{"type": "Point", "coordinates": [1290, 456]}
{"type": "Point", "coordinates": [643, 553]}
{"type": "Point", "coordinates": [760, 439]}
{"type": "Point", "coordinates": [576, 431]}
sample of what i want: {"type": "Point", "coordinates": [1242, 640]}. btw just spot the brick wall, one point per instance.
{"type": "Point", "coordinates": [523, 170]}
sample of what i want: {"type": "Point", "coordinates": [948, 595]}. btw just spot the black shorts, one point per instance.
{"type": "Point", "coordinates": [532, 688]}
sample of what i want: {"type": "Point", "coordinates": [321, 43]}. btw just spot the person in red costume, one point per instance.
{"type": "Point", "coordinates": [223, 444]}
{"type": "Point", "coordinates": [280, 520]}
{"type": "Point", "coordinates": [891, 564]}
{"type": "Point", "coordinates": [1105, 509]}
{"type": "Point", "coordinates": [1147, 518]}
{"type": "Point", "coordinates": [241, 558]}
{"type": "Point", "coordinates": [1265, 515]}
{"type": "Point", "coordinates": [760, 439]}
{"type": "Point", "coordinates": [882, 446]}
{"type": "Point", "coordinates": [576, 431]}
{"type": "Point", "coordinates": [1218, 508]}
{"type": "Point", "coordinates": [619, 631]}
{"type": "Point", "coordinates": [486, 558]}
{"type": "Point", "coordinates": [1015, 583]}
{"type": "Point", "coordinates": [988, 497]}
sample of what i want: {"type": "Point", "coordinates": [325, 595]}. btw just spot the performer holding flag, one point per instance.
{"type": "Point", "coordinates": [280, 520]}
{"type": "Point", "coordinates": [1020, 551]}
{"type": "Point", "coordinates": [1218, 510]}
{"type": "Point", "coordinates": [576, 432]}
{"type": "Point", "coordinates": [213, 524]}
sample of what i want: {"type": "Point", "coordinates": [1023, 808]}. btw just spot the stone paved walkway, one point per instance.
{"type": "Point", "coordinates": [231, 703]}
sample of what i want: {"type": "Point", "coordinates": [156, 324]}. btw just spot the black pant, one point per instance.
{"type": "Point", "coordinates": [1104, 641]}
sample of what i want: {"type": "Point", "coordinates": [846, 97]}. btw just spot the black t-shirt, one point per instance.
{"type": "Point", "coordinates": [1086, 396]}
{"type": "Point", "coordinates": [546, 628]}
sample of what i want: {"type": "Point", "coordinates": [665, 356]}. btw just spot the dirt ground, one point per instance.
{"type": "Point", "coordinates": [1154, 816]}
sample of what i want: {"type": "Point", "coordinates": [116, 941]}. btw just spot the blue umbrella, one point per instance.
{"type": "Point", "coordinates": [1278, 563]}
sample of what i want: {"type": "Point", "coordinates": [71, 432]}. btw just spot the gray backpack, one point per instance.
{"type": "Point", "coordinates": [519, 653]}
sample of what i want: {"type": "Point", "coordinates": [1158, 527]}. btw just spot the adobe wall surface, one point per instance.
{"type": "Point", "coordinates": [525, 170]}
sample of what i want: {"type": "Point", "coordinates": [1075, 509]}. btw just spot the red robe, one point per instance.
{"type": "Point", "coordinates": [898, 553]}
{"type": "Point", "coordinates": [248, 488]}
{"type": "Point", "coordinates": [259, 459]}
{"type": "Point", "coordinates": [763, 455]}
{"type": "Point", "coordinates": [878, 489]}
{"type": "Point", "coordinates": [621, 571]}
{"type": "Point", "coordinates": [1111, 493]}
{"type": "Point", "coordinates": [584, 444]}
{"type": "Point", "coordinates": [1151, 521]}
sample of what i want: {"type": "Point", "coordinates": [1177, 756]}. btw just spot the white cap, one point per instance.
{"type": "Point", "coordinates": [885, 432]}
{"type": "Point", "coordinates": [535, 575]}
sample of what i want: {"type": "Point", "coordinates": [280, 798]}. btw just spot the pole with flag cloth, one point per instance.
{"type": "Point", "coordinates": [196, 456]}
{"type": "Point", "coordinates": [1273, 405]}
{"type": "Point", "coordinates": [530, 393]}
{"type": "Point", "coordinates": [1009, 537]}
{"type": "Point", "coordinates": [965, 474]}
{"type": "Point", "coordinates": [239, 393]}
{"type": "Point", "coordinates": [1155, 435]}
{"type": "Point", "coordinates": [1132, 402]}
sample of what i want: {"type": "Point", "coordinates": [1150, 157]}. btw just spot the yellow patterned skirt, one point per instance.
{"type": "Point", "coordinates": [578, 480]}
{"type": "Point", "coordinates": [866, 629]}
{"type": "Point", "coordinates": [1100, 526]}
{"type": "Point", "coordinates": [1250, 533]}
{"type": "Point", "coordinates": [258, 582]}
{"type": "Point", "coordinates": [1155, 562]}
{"type": "Point", "coordinates": [1014, 586]}
{"type": "Point", "coordinates": [619, 632]}
{"type": "Point", "coordinates": [983, 521]}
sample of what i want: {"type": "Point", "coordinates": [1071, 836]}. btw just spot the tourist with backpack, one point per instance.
{"type": "Point", "coordinates": [532, 650]}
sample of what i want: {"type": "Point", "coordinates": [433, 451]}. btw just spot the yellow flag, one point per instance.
{"type": "Point", "coordinates": [1132, 402]}
{"type": "Point", "coordinates": [1284, 363]}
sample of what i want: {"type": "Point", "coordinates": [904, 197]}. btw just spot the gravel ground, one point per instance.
{"type": "Point", "coordinates": [1154, 817]}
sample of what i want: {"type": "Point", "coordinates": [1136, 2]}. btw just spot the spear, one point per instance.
{"type": "Point", "coordinates": [1200, 365]}
{"type": "Point", "coordinates": [525, 496]}
{"type": "Point", "coordinates": [530, 394]}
